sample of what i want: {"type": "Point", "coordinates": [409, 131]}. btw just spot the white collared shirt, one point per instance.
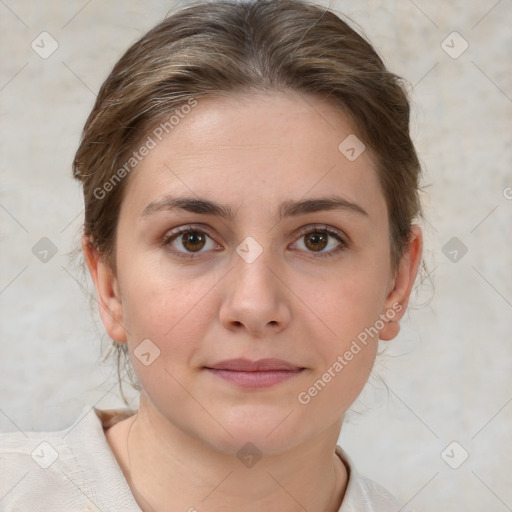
{"type": "Point", "coordinates": [74, 470]}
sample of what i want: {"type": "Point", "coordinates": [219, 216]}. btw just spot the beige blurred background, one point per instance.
{"type": "Point", "coordinates": [449, 373]}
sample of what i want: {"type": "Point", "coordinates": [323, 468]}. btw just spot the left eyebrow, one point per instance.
{"type": "Point", "coordinates": [286, 209]}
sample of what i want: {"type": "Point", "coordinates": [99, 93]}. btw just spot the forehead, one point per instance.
{"type": "Point", "coordinates": [256, 149]}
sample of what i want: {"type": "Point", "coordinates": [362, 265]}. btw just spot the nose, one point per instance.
{"type": "Point", "coordinates": [255, 297]}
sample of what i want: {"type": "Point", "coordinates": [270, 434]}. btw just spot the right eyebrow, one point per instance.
{"type": "Point", "coordinates": [189, 204]}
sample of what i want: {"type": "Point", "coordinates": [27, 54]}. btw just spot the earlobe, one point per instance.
{"type": "Point", "coordinates": [107, 292]}
{"type": "Point", "coordinates": [403, 282]}
{"type": "Point", "coordinates": [390, 330]}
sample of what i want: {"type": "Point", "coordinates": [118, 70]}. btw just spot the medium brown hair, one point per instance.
{"type": "Point", "coordinates": [222, 48]}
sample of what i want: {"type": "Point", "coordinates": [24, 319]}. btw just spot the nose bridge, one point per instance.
{"type": "Point", "coordinates": [252, 274]}
{"type": "Point", "coordinates": [254, 295]}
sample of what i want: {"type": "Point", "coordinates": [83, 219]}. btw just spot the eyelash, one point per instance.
{"type": "Point", "coordinates": [316, 228]}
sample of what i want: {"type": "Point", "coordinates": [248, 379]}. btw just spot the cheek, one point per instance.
{"type": "Point", "coordinates": [351, 301]}
{"type": "Point", "coordinates": [166, 304]}
{"type": "Point", "coordinates": [346, 342]}
{"type": "Point", "coordinates": [349, 348]}
{"type": "Point", "coordinates": [350, 307]}
{"type": "Point", "coordinates": [153, 298]}
{"type": "Point", "coordinates": [334, 390]}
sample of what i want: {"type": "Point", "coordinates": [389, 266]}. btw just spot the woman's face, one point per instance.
{"type": "Point", "coordinates": [254, 284]}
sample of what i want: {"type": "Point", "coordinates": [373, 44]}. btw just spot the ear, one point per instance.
{"type": "Point", "coordinates": [107, 291]}
{"type": "Point", "coordinates": [401, 285]}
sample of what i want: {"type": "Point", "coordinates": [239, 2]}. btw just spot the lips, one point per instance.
{"type": "Point", "coordinates": [262, 373]}
{"type": "Point", "coordinates": [261, 365]}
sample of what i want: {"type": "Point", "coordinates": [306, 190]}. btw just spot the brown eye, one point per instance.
{"type": "Point", "coordinates": [188, 241]}
{"type": "Point", "coordinates": [316, 241]}
{"type": "Point", "coordinates": [193, 240]}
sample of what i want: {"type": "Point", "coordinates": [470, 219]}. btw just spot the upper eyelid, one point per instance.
{"type": "Point", "coordinates": [296, 233]}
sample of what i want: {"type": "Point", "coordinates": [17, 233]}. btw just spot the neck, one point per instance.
{"type": "Point", "coordinates": [168, 469]}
